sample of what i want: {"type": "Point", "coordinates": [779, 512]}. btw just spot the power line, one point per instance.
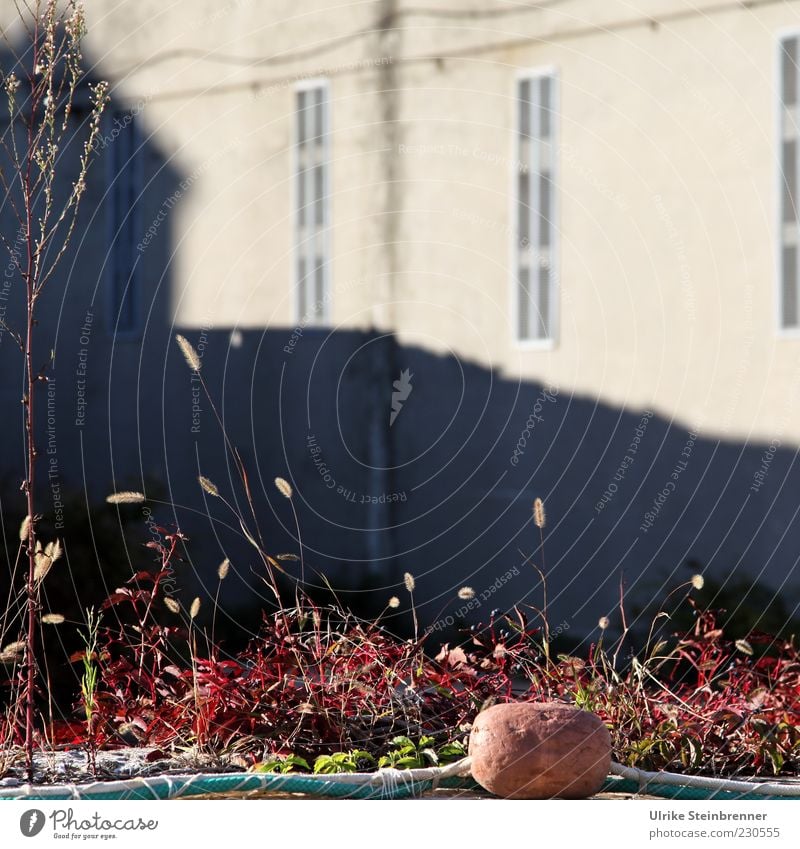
{"type": "Point", "coordinates": [384, 24]}
{"type": "Point", "coordinates": [472, 50]}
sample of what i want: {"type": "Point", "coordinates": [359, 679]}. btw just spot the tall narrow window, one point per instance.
{"type": "Point", "coordinates": [311, 199]}
{"type": "Point", "coordinates": [789, 151]}
{"type": "Point", "coordinates": [534, 228]}
{"type": "Point", "coordinates": [125, 186]}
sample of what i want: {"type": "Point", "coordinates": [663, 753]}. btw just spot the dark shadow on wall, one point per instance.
{"type": "Point", "coordinates": [401, 460]}
{"type": "Point", "coordinates": [445, 493]}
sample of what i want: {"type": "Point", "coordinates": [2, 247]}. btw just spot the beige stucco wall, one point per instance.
{"type": "Point", "coordinates": [666, 183]}
{"type": "Point", "coordinates": [667, 186]}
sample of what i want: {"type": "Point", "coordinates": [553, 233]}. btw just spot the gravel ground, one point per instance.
{"type": "Point", "coordinates": [71, 765]}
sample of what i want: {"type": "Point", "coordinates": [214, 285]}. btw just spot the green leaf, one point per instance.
{"type": "Point", "coordinates": [362, 760]}
{"type": "Point", "coordinates": [451, 752]}
{"type": "Point", "coordinates": [776, 759]}
{"type": "Point", "coordinates": [429, 755]}
{"type": "Point", "coordinates": [281, 765]}
{"type": "Point", "coordinates": [267, 766]}
{"type": "Point", "coordinates": [323, 764]}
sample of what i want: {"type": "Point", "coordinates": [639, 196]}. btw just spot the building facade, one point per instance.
{"type": "Point", "coordinates": [441, 261]}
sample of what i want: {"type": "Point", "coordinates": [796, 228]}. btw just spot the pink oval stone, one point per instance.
{"type": "Point", "coordinates": [539, 751]}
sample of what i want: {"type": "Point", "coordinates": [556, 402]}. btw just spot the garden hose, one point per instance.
{"type": "Point", "coordinates": [673, 786]}
{"type": "Point", "coordinates": [388, 784]}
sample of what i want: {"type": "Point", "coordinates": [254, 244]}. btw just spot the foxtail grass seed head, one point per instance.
{"type": "Point", "coordinates": [53, 550]}
{"type": "Point", "coordinates": [189, 353]}
{"type": "Point", "coordinates": [12, 652]}
{"type": "Point", "coordinates": [11, 658]}
{"type": "Point", "coordinates": [172, 605]}
{"type": "Point", "coordinates": [698, 582]}
{"type": "Point", "coordinates": [25, 529]}
{"type": "Point", "coordinates": [466, 593]}
{"type": "Point", "coordinates": [52, 619]}
{"type": "Point", "coordinates": [394, 602]}
{"type": "Point", "coordinates": [603, 623]}
{"type": "Point", "coordinates": [223, 569]}
{"type": "Point", "coordinates": [208, 486]}
{"type": "Point", "coordinates": [125, 498]}
{"type": "Point", "coordinates": [744, 647]}
{"type": "Point", "coordinates": [538, 513]}
{"type": "Point", "coordinates": [194, 609]}
{"type": "Point", "coordinates": [42, 567]}
{"type": "Point", "coordinates": [284, 487]}
{"type": "Point", "coordinates": [408, 580]}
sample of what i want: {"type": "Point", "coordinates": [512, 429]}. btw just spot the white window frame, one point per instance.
{"type": "Point", "coordinates": [130, 223]}
{"type": "Point", "coordinates": [533, 75]}
{"type": "Point", "coordinates": [792, 331]}
{"type": "Point", "coordinates": [322, 237]}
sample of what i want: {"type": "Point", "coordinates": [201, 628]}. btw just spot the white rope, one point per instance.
{"type": "Point", "coordinates": [385, 780]}
{"type": "Point", "coordinates": [703, 782]}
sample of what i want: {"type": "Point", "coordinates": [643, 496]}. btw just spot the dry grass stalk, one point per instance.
{"type": "Point", "coordinates": [538, 513]}
{"type": "Point", "coordinates": [189, 353]}
{"type": "Point", "coordinates": [283, 487]}
{"type": "Point", "coordinates": [208, 486]}
{"type": "Point", "coordinates": [52, 619]}
{"type": "Point", "coordinates": [125, 498]}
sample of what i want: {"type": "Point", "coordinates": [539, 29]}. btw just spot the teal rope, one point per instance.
{"type": "Point", "coordinates": [669, 791]}
{"type": "Point", "coordinates": [173, 787]}
{"type": "Point", "coordinates": [183, 786]}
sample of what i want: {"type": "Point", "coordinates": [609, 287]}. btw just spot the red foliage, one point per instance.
{"type": "Point", "coordinates": [318, 680]}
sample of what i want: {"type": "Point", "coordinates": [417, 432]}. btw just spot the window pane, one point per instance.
{"type": "Point", "coordinates": [318, 116]}
{"type": "Point", "coordinates": [301, 196]}
{"type": "Point", "coordinates": [302, 286]}
{"type": "Point", "coordinates": [545, 189]}
{"type": "Point", "coordinates": [319, 195]}
{"type": "Point", "coordinates": [311, 213]}
{"type": "Point", "coordinates": [301, 117]}
{"type": "Point", "coordinates": [789, 286]}
{"type": "Point", "coordinates": [124, 196]}
{"type": "Point", "coordinates": [524, 304]}
{"type": "Point", "coordinates": [544, 107]}
{"type": "Point", "coordinates": [319, 288]}
{"type": "Point", "coordinates": [535, 233]}
{"type": "Point", "coordinates": [789, 180]}
{"type": "Point", "coordinates": [525, 108]}
{"type": "Point", "coordinates": [523, 210]}
{"type": "Point", "coordinates": [789, 71]}
{"type": "Point", "coordinates": [544, 302]}
{"type": "Point", "coordinates": [127, 315]}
